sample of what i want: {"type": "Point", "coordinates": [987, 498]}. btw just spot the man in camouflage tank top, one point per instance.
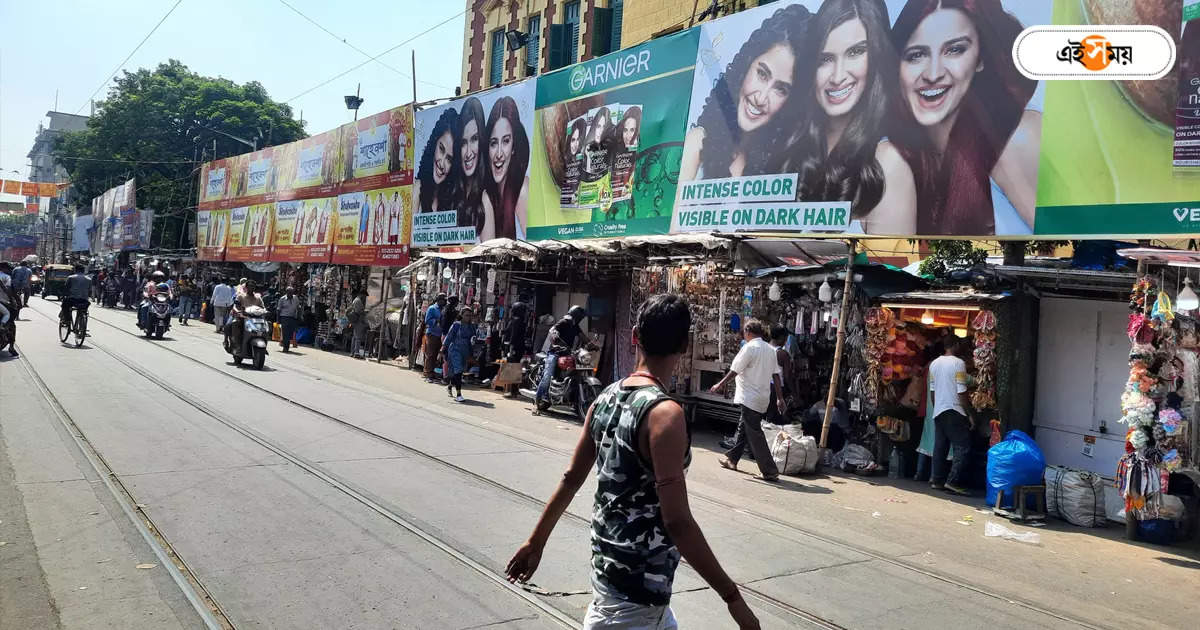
{"type": "Point", "coordinates": [641, 524]}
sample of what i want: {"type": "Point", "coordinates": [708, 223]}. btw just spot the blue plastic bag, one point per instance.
{"type": "Point", "coordinates": [1159, 531]}
{"type": "Point", "coordinates": [304, 335]}
{"type": "Point", "coordinates": [1014, 461]}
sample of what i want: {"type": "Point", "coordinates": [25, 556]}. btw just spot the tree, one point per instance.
{"type": "Point", "coordinates": [157, 125]}
{"type": "Point", "coordinates": [946, 255]}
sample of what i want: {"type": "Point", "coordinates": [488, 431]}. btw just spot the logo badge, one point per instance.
{"type": "Point", "coordinates": [1053, 52]}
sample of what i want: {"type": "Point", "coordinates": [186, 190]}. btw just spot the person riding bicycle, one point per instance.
{"type": "Point", "coordinates": [563, 336]}
{"type": "Point", "coordinates": [155, 285]}
{"type": "Point", "coordinates": [10, 306]}
{"type": "Point", "coordinates": [240, 304]}
{"type": "Point", "coordinates": [79, 288]}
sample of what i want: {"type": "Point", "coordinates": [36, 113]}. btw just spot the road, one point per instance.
{"type": "Point", "coordinates": [325, 492]}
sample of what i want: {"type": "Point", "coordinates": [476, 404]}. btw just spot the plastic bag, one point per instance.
{"type": "Point", "coordinates": [1172, 508]}
{"type": "Point", "coordinates": [1016, 461]}
{"type": "Point", "coordinates": [992, 528]}
{"type": "Point", "coordinates": [794, 453]}
{"type": "Point", "coordinates": [1158, 531]}
{"type": "Point", "coordinates": [1076, 496]}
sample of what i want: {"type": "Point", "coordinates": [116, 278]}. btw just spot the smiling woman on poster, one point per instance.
{"type": "Point", "coordinates": [507, 184]}
{"type": "Point", "coordinates": [469, 178]}
{"type": "Point", "coordinates": [597, 149]}
{"type": "Point", "coordinates": [969, 137]}
{"type": "Point", "coordinates": [841, 154]}
{"type": "Point", "coordinates": [750, 114]}
{"type": "Point", "coordinates": [432, 191]}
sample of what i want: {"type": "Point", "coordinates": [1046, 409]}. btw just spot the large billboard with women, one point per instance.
{"type": "Point", "coordinates": [863, 116]}
{"type": "Point", "coordinates": [607, 141]}
{"type": "Point", "coordinates": [373, 220]}
{"type": "Point", "coordinates": [472, 160]}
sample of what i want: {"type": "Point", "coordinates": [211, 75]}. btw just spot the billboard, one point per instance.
{"type": "Point", "coordinates": [608, 137]}
{"type": "Point", "coordinates": [80, 232]}
{"type": "Point", "coordinates": [212, 230]}
{"type": "Point", "coordinates": [473, 168]}
{"type": "Point", "coordinates": [111, 211]}
{"type": "Point", "coordinates": [1187, 108]}
{"type": "Point", "coordinates": [283, 201]}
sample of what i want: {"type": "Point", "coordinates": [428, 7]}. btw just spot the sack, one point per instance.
{"type": "Point", "coordinates": [1158, 531]}
{"type": "Point", "coordinates": [1016, 461]}
{"type": "Point", "coordinates": [1076, 496]}
{"type": "Point", "coordinates": [794, 453]}
{"type": "Point", "coordinates": [856, 459]}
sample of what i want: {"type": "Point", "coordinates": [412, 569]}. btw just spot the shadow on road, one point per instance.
{"type": "Point", "coordinates": [477, 403]}
{"type": "Point", "coordinates": [1180, 562]}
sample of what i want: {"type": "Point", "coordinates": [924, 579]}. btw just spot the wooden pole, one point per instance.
{"type": "Point", "coordinates": [841, 342]}
{"type": "Point", "coordinates": [383, 291]}
{"type": "Point", "coordinates": [692, 20]}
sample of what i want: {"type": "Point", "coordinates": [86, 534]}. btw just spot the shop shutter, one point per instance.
{"type": "Point", "coordinates": [602, 24]}
{"type": "Point", "coordinates": [534, 28]}
{"type": "Point", "coordinates": [496, 70]}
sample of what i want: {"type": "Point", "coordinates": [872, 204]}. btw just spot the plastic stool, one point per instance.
{"type": "Point", "coordinates": [1020, 511]}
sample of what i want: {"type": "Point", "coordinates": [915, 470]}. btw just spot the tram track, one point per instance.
{"type": "Point", "coordinates": [534, 501]}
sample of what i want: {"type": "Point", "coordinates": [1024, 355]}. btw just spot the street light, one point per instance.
{"type": "Point", "coordinates": [354, 101]}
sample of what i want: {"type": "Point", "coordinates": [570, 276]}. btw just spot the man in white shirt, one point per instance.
{"type": "Point", "coordinates": [222, 299]}
{"type": "Point", "coordinates": [756, 370]}
{"type": "Point", "coordinates": [948, 386]}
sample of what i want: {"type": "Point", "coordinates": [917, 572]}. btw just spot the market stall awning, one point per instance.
{"type": "Point", "coordinates": [758, 253]}
{"type": "Point", "coordinates": [1176, 257]}
{"type": "Point", "coordinates": [942, 298]}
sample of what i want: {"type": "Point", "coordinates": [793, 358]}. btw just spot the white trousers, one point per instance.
{"type": "Point", "coordinates": [607, 613]}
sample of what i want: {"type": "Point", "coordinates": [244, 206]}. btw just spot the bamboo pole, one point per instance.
{"type": "Point", "coordinates": [841, 342]}
{"type": "Point", "coordinates": [383, 291]}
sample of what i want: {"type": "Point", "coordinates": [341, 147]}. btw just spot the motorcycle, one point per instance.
{"type": "Point", "coordinates": [256, 332]}
{"type": "Point", "coordinates": [158, 316]}
{"type": "Point", "coordinates": [574, 385]}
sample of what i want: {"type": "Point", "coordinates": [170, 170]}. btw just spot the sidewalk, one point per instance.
{"type": "Point", "coordinates": [876, 525]}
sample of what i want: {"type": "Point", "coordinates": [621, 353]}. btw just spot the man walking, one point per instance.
{"type": "Point", "coordinates": [433, 334]}
{"type": "Point", "coordinates": [288, 310]}
{"type": "Point", "coordinates": [756, 372]}
{"type": "Point", "coordinates": [21, 282]}
{"type": "Point", "coordinates": [637, 437]}
{"type": "Point", "coordinates": [948, 386]}
{"type": "Point", "coordinates": [222, 299]}
{"type": "Point", "coordinates": [356, 314]}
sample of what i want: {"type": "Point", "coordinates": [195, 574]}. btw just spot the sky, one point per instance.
{"type": "Point", "coordinates": [72, 46]}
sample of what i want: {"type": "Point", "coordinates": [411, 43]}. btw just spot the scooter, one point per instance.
{"type": "Point", "coordinates": [256, 332]}
{"type": "Point", "coordinates": [158, 316]}
{"type": "Point", "coordinates": [574, 385]}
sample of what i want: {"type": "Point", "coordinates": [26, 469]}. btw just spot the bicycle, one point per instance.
{"type": "Point", "coordinates": [79, 328]}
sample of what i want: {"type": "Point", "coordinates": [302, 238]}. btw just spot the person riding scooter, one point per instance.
{"type": "Point", "coordinates": [243, 302]}
{"type": "Point", "coordinates": [156, 284]}
{"type": "Point", "coordinates": [563, 336]}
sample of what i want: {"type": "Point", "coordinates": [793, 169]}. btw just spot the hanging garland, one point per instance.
{"type": "Point", "coordinates": [879, 323]}
{"type": "Point", "coordinates": [984, 396]}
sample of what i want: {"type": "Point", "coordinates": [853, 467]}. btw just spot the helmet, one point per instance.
{"type": "Point", "coordinates": [158, 275]}
{"type": "Point", "coordinates": [577, 313]}
{"type": "Point", "coordinates": [163, 286]}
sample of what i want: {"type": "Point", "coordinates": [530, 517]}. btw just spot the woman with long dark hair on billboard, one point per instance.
{"type": "Point", "coordinates": [432, 191]}
{"type": "Point", "coordinates": [964, 127]}
{"type": "Point", "coordinates": [596, 147]}
{"type": "Point", "coordinates": [468, 156]}
{"type": "Point", "coordinates": [576, 132]}
{"type": "Point", "coordinates": [507, 185]}
{"type": "Point", "coordinates": [841, 153]}
{"type": "Point", "coordinates": [623, 148]}
{"type": "Point", "coordinates": [750, 114]}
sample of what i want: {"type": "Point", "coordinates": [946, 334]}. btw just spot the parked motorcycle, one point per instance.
{"type": "Point", "coordinates": [574, 384]}
{"type": "Point", "coordinates": [158, 316]}
{"type": "Point", "coordinates": [256, 332]}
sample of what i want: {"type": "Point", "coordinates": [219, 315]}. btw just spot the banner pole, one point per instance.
{"type": "Point", "coordinates": [383, 291]}
{"type": "Point", "coordinates": [414, 75]}
{"type": "Point", "coordinates": [841, 342]}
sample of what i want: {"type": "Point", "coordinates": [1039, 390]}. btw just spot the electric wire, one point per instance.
{"type": "Point", "coordinates": [112, 74]}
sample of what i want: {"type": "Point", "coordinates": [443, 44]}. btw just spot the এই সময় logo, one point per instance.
{"type": "Point", "coordinates": [1095, 52]}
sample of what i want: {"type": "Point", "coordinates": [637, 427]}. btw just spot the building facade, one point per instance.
{"type": "Point", "coordinates": [550, 34]}
{"type": "Point", "coordinates": [54, 224]}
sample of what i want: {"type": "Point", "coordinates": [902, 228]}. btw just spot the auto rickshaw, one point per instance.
{"type": "Point", "coordinates": [54, 280]}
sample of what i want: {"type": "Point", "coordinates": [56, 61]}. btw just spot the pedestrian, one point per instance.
{"type": "Point", "coordinates": [356, 314]}
{"type": "Point", "coordinates": [10, 307]}
{"type": "Point", "coordinates": [952, 426]}
{"type": "Point", "coordinates": [516, 331]}
{"type": "Point", "coordinates": [288, 310]}
{"type": "Point", "coordinates": [449, 316]}
{"type": "Point", "coordinates": [187, 295]}
{"type": "Point", "coordinates": [457, 350]}
{"type": "Point", "coordinates": [637, 437]}
{"type": "Point", "coordinates": [221, 301]}
{"type": "Point", "coordinates": [22, 283]}
{"type": "Point", "coordinates": [776, 413]}
{"type": "Point", "coordinates": [433, 335]}
{"type": "Point", "coordinates": [756, 372]}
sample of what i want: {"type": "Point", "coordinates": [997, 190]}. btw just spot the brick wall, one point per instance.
{"type": "Point", "coordinates": [548, 15]}
{"type": "Point", "coordinates": [644, 18]}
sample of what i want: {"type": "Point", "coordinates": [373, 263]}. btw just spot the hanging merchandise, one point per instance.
{"type": "Point", "coordinates": [984, 396]}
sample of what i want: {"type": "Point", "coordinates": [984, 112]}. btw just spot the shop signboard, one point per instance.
{"type": "Point", "coordinates": [607, 141]}
{"type": "Point", "coordinates": [251, 231]}
{"type": "Point", "coordinates": [212, 230]}
{"type": "Point", "coordinates": [473, 168]}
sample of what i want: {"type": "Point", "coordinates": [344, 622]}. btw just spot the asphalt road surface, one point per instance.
{"type": "Point", "coordinates": [153, 484]}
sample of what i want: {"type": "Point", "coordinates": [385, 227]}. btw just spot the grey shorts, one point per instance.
{"type": "Point", "coordinates": [608, 613]}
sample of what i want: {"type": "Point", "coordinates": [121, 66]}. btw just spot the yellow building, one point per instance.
{"type": "Point", "coordinates": [550, 34]}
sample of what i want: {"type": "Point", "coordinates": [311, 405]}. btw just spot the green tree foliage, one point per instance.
{"type": "Point", "coordinates": [156, 125]}
{"type": "Point", "coordinates": [946, 255]}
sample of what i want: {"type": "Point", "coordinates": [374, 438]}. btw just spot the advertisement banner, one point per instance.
{"type": "Point", "coordinates": [212, 230]}
{"type": "Point", "coordinates": [607, 141]}
{"type": "Point", "coordinates": [473, 167]}
{"type": "Point", "coordinates": [1187, 109]}
{"type": "Point", "coordinates": [1108, 146]}
{"type": "Point", "coordinates": [371, 227]}
{"type": "Point", "coordinates": [79, 233]}
{"type": "Point", "coordinates": [302, 230]}
{"type": "Point", "coordinates": [378, 151]}
{"type": "Point", "coordinates": [111, 211]}
{"type": "Point", "coordinates": [12, 187]}
{"type": "Point", "coordinates": [315, 166]}
{"type": "Point", "coordinates": [251, 229]}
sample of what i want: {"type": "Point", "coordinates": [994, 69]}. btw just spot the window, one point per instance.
{"type": "Point", "coordinates": [618, 9]}
{"type": "Point", "coordinates": [571, 20]}
{"type": "Point", "coordinates": [496, 69]}
{"type": "Point", "coordinates": [534, 28]}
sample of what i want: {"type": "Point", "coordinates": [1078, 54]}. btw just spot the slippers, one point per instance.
{"type": "Point", "coordinates": [726, 464]}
